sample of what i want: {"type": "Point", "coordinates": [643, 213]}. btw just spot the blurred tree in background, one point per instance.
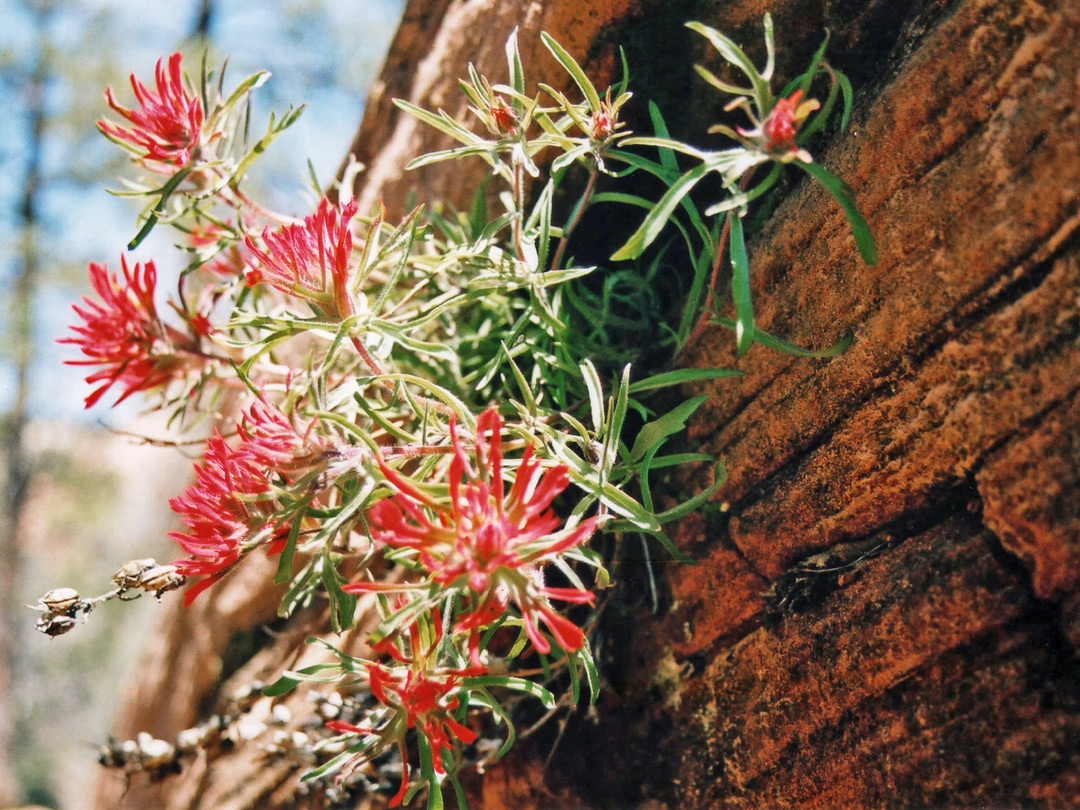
{"type": "Point", "coordinates": [71, 490]}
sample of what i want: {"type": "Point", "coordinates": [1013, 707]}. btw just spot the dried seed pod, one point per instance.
{"type": "Point", "coordinates": [160, 578]}
{"type": "Point", "coordinates": [154, 753]}
{"type": "Point", "coordinates": [60, 600]}
{"type": "Point", "coordinates": [191, 738]}
{"type": "Point", "coordinates": [52, 624]}
{"type": "Point", "coordinates": [130, 574]}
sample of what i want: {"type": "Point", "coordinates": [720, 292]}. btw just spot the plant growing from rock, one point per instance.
{"type": "Point", "coordinates": [432, 412]}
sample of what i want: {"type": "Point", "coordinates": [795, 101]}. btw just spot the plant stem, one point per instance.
{"type": "Point", "coordinates": [579, 211]}
{"type": "Point", "coordinates": [721, 248]}
{"type": "Point", "coordinates": [369, 361]}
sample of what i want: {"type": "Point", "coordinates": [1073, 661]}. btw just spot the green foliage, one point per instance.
{"type": "Point", "coordinates": [370, 357]}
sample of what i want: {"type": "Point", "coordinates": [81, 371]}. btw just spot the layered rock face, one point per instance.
{"type": "Point", "coordinates": [884, 609]}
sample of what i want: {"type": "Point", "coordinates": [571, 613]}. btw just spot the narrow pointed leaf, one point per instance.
{"type": "Point", "coordinates": [842, 194]}
{"type": "Point", "coordinates": [574, 69]}
{"type": "Point", "coordinates": [740, 287]}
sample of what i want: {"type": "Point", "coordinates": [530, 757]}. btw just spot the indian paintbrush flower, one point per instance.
{"type": "Point", "coordinates": [310, 260]}
{"type": "Point", "coordinates": [167, 126]}
{"type": "Point", "coordinates": [122, 332]}
{"type": "Point", "coordinates": [776, 134]}
{"type": "Point", "coordinates": [420, 696]}
{"type": "Point", "coordinates": [489, 544]}
{"type": "Point", "coordinates": [229, 506]}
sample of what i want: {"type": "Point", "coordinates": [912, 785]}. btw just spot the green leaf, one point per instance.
{"type": "Point", "coordinates": [522, 383]}
{"type": "Point", "coordinates": [815, 62]}
{"type": "Point", "coordinates": [442, 122]}
{"type": "Point", "coordinates": [668, 145]}
{"type": "Point", "coordinates": [843, 195]}
{"type": "Point", "coordinates": [655, 220]}
{"type": "Point", "coordinates": [740, 287]}
{"type": "Point", "coordinates": [780, 345]}
{"type": "Point", "coordinates": [688, 506]}
{"type": "Point", "coordinates": [721, 85]}
{"type": "Point", "coordinates": [273, 130]}
{"type": "Point", "coordinates": [252, 82]}
{"type": "Point", "coordinates": [574, 69]}
{"type": "Point", "coordinates": [283, 685]}
{"type": "Point", "coordinates": [483, 150]}
{"type": "Point", "coordinates": [682, 375]}
{"type": "Point", "coordinates": [667, 154]}
{"type": "Point", "coordinates": [163, 197]}
{"type": "Point", "coordinates": [284, 570]}
{"type": "Point", "coordinates": [596, 393]}
{"type": "Point", "coordinates": [667, 425]}
{"type": "Point", "coordinates": [736, 56]}
{"type": "Point", "coordinates": [678, 459]}
{"type": "Point", "coordinates": [342, 604]}
{"type": "Point", "coordinates": [289, 680]}
{"type": "Point", "coordinates": [359, 749]}
{"type": "Point", "coordinates": [744, 198]}
{"type": "Point", "coordinates": [510, 682]}
{"type": "Point", "coordinates": [543, 238]}
{"type": "Point", "coordinates": [513, 61]}
{"type": "Point", "coordinates": [613, 430]}
{"type": "Point", "coordinates": [299, 590]}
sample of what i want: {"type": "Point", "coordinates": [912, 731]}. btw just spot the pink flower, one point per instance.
{"type": "Point", "coordinates": [488, 542]}
{"type": "Point", "coordinates": [420, 700]}
{"type": "Point", "coordinates": [122, 333]}
{"type": "Point", "coordinates": [229, 503]}
{"type": "Point", "coordinates": [271, 442]}
{"type": "Point", "coordinates": [218, 516]}
{"type": "Point", "coordinates": [776, 134]}
{"type": "Point", "coordinates": [310, 260]}
{"type": "Point", "coordinates": [420, 696]}
{"type": "Point", "coordinates": [167, 126]}
{"type": "Point", "coordinates": [505, 119]}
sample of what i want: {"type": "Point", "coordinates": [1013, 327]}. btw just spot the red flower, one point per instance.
{"type": "Point", "coordinates": [602, 123]}
{"type": "Point", "coordinates": [310, 260]}
{"type": "Point", "coordinates": [782, 124]}
{"type": "Point", "coordinates": [421, 700]}
{"type": "Point", "coordinates": [167, 126]}
{"type": "Point", "coordinates": [505, 119]}
{"type": "Point", "coordinates": [420, 696]}
{"type": "Point", "coordinates": [485, 541]}
{"type": "Point", "coordinates": [271, 442]}
{"type": "Point", "coordinates": [216, 512]}
{"type": "Point", "coordinates": [122, 333]}
{"type": "Point", "coordinates": [227, 504]}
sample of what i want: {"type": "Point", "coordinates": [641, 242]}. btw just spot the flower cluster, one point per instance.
{"type": "Point", "coordinates": [488, 543]}
{"type": "Point", "coordinates": [167, 126]}
{"type": "Point", "coordinates": [310, 260]}
{"type": "Point", "coordinates": [122, 333]}
{"type": "Point", "coordinates": [379, 466]}
{"type": "Point", "coordinates": [420, 695]}
{"type": "Point", "coordinates": [227, 510]}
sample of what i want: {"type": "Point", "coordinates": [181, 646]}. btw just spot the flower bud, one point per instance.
{"type": "Point", "coordinates": [505, 119]}
{"type": "Point", "coordinates": [60, 600]}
